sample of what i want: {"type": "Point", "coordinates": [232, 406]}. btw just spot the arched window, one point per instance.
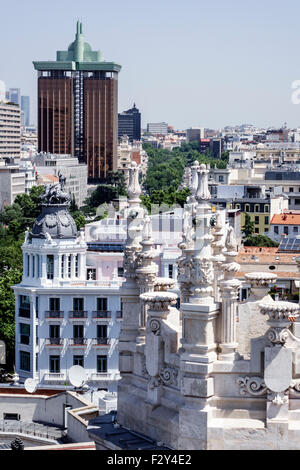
{"type": "Point", "coordinates": [267, 208]}
{"type": "Point", "coordinates": [247, 208]}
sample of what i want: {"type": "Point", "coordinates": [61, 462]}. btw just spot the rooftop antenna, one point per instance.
{"type": "Point", "coordinates": [30, 385]}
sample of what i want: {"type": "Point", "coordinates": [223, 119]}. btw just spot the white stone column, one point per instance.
{"type": "Point", "coordinates": [72, 266]}
{"type": "Point", "coordinates": [44, 266]}
{"type": "Point", "coordinates": [66, 265]}
{"type": "Point", "coordinates": [229, 294]}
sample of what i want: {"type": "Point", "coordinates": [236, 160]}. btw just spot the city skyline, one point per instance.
{"type": "Point", "coordinates": [202, 65]}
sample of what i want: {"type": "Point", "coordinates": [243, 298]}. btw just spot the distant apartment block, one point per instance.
{"type": "Point", "coordinates": [160, 128]}
{"type": "Point", "coordinates": [14, 96]}
{"type": "Point", "coordinates": [10, 130]}
{"type": "Point", "coordinates": [194, 133]}
{"type": "Point", "coordinates": [12, 181]}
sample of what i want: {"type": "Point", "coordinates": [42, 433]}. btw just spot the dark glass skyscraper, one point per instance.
{"type": "Point", "coordinates": [129, 123]}
{"type": "Point", "coordinates": [78, 107]}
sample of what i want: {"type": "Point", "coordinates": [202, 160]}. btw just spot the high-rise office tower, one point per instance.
{"type": "Point", "coordinates": [129, 123]}
{"type": "Point", "coordinates": [14, 95]}
{"type": "Point", "coordinates": [25, 107]}
{"type": "Point", "coordinates": [78, 107]}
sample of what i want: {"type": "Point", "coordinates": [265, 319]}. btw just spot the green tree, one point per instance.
{"type": "Point", "coordinates": [248, 228]}
{"type": "Point", "coordinates": [260, 240]}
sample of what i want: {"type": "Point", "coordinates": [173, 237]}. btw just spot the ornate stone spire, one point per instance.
{"type": "Point", "coordinates": [194, 181]}
{"type": "Point", "coordinates": [134, 189]}
{"type": "Point", "coordinates": [229, 294]}
{"type": "Point", "coordinates": [218, 257]}
{"type": "Point", "coordinates": [202, 273]}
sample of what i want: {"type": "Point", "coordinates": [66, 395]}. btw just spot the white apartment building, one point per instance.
{"type": "Point", "coordinates": [74, 172]}
{"type": "Point", "coordinates": [63, 315]}
{"type": "Point", "coordinates": [160, 128]}
{"type": "Point", "coordinates": [12, 182]}
{"type": "Point", "coordinates": [10, 130]}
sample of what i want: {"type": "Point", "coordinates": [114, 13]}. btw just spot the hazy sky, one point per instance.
{"type": "Point", "coordinates": [189, 63]}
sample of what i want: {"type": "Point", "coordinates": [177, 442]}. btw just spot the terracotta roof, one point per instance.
{"type": "Point", "coordinates": [287, 218]}
{"type": "Point", "coordinates": [48, 179]}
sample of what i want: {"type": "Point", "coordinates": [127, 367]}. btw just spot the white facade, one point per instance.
{"type": "Point", "coordinates": [157, 128]}
{"type": "Point", "coordinates": [12, 183]}
{"type": "Point", "coordinates": [59, 319]}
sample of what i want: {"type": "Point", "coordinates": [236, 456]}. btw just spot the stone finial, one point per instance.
{"type": "Point", "coordinates": [162, 284]}
{"type": "Point", "coordinates": [159, 301]}
{"type": "Point", "coordinates": [147, 229]}
{"type": "Point", "coordinates": [259, 279]}
{"type": "Point", "coordinates": [203, 193]}
{"type": "Point", "coordinates": [194, 180]}
{"type": "Point", "coordinates": [280, 310]}
{"type": "Point", "coordinates": [134, 189]}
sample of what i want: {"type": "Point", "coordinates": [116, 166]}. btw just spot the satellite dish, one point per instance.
{"type": "Point", "coordinates": [30, 385]}
{"type": "Point", "coordinates": [77, 376]}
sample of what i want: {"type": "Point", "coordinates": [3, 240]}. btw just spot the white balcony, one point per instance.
{"type": "Point", "coordinates": [54, 377]}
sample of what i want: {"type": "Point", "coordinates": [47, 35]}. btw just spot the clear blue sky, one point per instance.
{"type": "Point", "coordinates": [189, 63]}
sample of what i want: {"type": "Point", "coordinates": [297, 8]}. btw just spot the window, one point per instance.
{"type": "Point", "coordinates": [91, 274]}
{"type": "Point", "coordinates": [256, 208]}
{"type": "Point", "coordinates": [221, 179]}
{"type": "Point", "coordinates": [101, 331]}
{"type": "Point", "coordinates": [120, 271]}
{"type": "Point", "coordinates": [69, 265]}
{"type": "Point", "coordinates": [76, 265]}
{"type": "Point", "coordinates": [247, 208]}
{"type": "Point", "coordinates": [24, 333]}
{"type": "Point", "coordinates": [101, 364]}
{"type": "Point", "coordinates": [27, 265]}
{"type": "Point", "coordinates": [78, 304]}
{"type": "Point", "coordinates": [54, 364]}
{"type": "Point", "coordinates": [295, 229]}
{"type": "Point", "coordinates": [170, 269]}
{"type": "Point", "coordinates": [286, 230]}
{"type": "Point", "coordinates": [256, 230]}
{"type": "Point", "coordinates": [276, 229]}
{"type": "Point", "coordinates": [77, 331]}
{"type": "Point", "coordinates": [25, 361]}
{"type": "Point", "coordinates": [37, 307]}
{"type": "Point", "coordinates": [33, 265]}
{"type": "Point", "coordinates": [24, 310]}
{"type": "Point", "coordinates": [266, 219]}
{"type": "Point", "coordinates": [102, 304]}
{"type": "Point", "coordinates": [78, 361]}
{"type": "Point", "coordinates": [54, 304]}
{"type": "Point", "coordinates": [267, 208]}
{"type": "Point", "coordinates": [50, 266]}
{"type": "Point", "coordinates": [291, 190]}
{"type": "Point", "coordinates": [62, 266]}
{"type": "Point", "coordinates": [54, 331]}
{"type": "Point", "coordinates": [256, 219]}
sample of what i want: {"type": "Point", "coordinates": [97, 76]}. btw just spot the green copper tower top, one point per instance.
{"type": "Point", "coordinates": [79, 56]}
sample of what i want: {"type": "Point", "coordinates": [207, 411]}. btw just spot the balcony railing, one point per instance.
{"type": "Point", "coordinates": [24, 312]}
{"type": "Point", "coordinates": [101, 376]}
{"type": "Point", "coordinates": [100, 341]}
{"type": "Point", "coordinates": [77, 341]}
{"type": "Point", "coordinates": [54, 376]}
{"type": "Point", "coordinates": [102, 314]}
{"type": "Point", "coordinates": [54, 314]}
{"type": "Point", "coordinates": [77, 314]}
{"type": "Point", "coordinates": [54, 341]}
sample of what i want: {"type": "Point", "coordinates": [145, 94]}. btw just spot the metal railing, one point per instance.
{"type": "Point", "coordinates": [101, 314]}
{"type": "Point", "coordinates": [100, 341]}
{"type": "Point", "coordinates": [77, 341]}
{"type": "Point", "coordinates": [77, 314]}
{"type": "Point", "coordinates": [54, 341]}
{"type": "Point", "coordinates": [33, 429]}
{"type": "Point", "coordinates": [54, 314]}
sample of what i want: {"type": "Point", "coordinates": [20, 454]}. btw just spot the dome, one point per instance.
{"type": "Point", "coordinates": [55, 220]}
